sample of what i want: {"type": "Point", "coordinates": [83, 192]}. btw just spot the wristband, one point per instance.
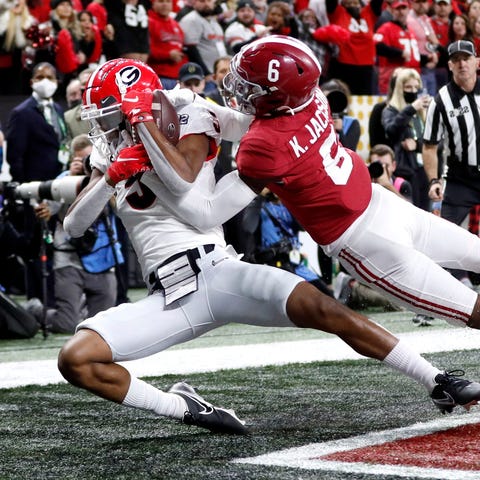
{"type": "Point", "coordinates": [433, 181]}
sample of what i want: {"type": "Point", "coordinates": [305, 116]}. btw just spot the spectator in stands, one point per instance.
{"type": "Point", "coordinates": [14, 22]}
{"type": "Point", "coordinates": [245, 28]}
{"type": "Point", "coordinates": [376, 132]}
{"type": "Point", "coordinates": [83, 270]}
{"type": "Point", "coordinates": [75, 125]}
{"type": "Point", "coordinates": [396, 45]}
{"type": "Point", "coordinates": [441, 25]}
{"type": "Point", "coordinates": [404, 123]}
{"type": "Point", "coordinates": [166, 43]}
{"type": "Point", "coordinates": [204, 38]}
{"type": "Point", "coordinates": [420, 24]}
{"type": "Point", "coordinates": [281, 20]}
{"type": "Point", "coordinates": [68, 33]}
{"type": "Point", "coordinates": [322, 39]}
{"type": "Point", "coordinates": [91, 42]}
{"type": "Point", "coordinates": [473, 11]}
{"type": "Point", "coordinates": [460, 29]}
{"type": "Point", "coordinates": [129, 21]}
{"type": "Point", "coordinates": [356, 58]}
{"type": "Point", "coordinates": [191, 76]}
{"type": "Point", "coordinates": [73, 93]}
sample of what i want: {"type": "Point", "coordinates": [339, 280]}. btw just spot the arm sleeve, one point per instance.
{"type": "Point", "coordinates": [172, 180]}
{"type": "Point", "coordinates": [205, 211]}
{"type": "Point", "coordinates": [86, 211]}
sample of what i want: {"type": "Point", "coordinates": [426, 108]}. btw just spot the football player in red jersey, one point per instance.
{"type": "Point", "coordinates": [291, 148]}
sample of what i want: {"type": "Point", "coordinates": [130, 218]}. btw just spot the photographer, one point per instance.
{"type": "Point", "coordinates": [276, 239]}
{"type": "Point", "coordinates": [83, 270]}
{"type": "Point", "coordinates": [347, 127]}
{"type": "Point", "coordinates": [381, 165]}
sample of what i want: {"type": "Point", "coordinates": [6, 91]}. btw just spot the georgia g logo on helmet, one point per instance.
{"type": "Point", "coordinates": [127, 77]}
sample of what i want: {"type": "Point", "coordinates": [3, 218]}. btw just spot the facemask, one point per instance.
{"type": "Point", "coordinates": [45, 88]}
{"type": "Point", "coordinates": [354, 12]}
{"type": "Point", "coordinates": [410, 97]}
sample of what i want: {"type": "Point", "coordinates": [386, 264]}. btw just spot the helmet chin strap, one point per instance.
{"type": "Point", "coordinates": [293, 111]}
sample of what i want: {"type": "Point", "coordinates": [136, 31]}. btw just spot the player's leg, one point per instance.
{"type": "Point", "coordinates": [460, 252]}
{"type": "Point", "coordinates": [268, 296]}
{"type": "Point", "coordinates": [384, 249]}
{"type": "Point", "coordinates": [131, 331]}
{"type": "Point", "coordinates": [309, 309]}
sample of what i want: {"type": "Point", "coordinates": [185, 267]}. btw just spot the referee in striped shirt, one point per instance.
{"type": "Point", "coordinates": [454, 116]}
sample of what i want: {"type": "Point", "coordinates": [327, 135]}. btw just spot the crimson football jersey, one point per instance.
{"type": "Point", "coordinates": [324, 185]}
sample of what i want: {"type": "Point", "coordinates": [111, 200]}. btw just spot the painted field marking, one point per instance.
{"type": "Point", "coordinates": [197, 360]}
{"type": "Point", "coordinates": [309, 457]}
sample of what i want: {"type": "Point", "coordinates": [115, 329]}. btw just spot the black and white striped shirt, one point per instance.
{"type": "Point", "coordinates": [454, 116]}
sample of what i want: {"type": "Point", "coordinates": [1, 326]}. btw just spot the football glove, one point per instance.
{"type": "Point", "coordinates": [137, 106]}
{"type": "Point", "coordinates": [130, 161]}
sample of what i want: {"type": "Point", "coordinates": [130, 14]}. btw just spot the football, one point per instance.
{"type": "Point", "coordinates": [165, 116]}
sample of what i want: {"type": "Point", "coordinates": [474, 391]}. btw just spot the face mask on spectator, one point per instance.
{"type": "Point", "coordinates": [410, 97]}
{"type": "Point", "coordinates": [45, 88]}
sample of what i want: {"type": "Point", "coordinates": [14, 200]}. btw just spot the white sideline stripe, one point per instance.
{"type": "Point", "coordinates": [197, 360]}
{"type": "Point", "coordinates": [305, 457]}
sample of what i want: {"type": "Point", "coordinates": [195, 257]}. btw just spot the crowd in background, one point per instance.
{"type": "Point", "coordinates": [48, 48]}
{"type": "Point", "coordinates": [358, 43]}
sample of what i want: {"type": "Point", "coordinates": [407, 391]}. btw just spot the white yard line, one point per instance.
{"type": "Point", "coordinates": [196, 360]}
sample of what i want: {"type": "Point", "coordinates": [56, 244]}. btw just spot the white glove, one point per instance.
{"type": "Point", "coordinates": [180, 96]}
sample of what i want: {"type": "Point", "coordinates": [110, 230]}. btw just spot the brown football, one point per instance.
{"type": "Point", "coordinates": [165, 116]}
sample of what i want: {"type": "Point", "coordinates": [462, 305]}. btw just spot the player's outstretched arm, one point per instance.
{"type": "Point", "coordinates": [88, 205]}
{"type": "Point", "coordinates": [205, 211]}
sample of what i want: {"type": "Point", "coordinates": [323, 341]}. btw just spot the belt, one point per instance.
{"type": "Point", "coordinates": [192, 253]}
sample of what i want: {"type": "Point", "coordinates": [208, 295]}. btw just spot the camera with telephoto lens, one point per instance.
{"type": "Point", "coordinates": [66, 189]}
{"type": "Point", "coordinates": [338, 102]}
{"type": "Point", "coordinates": [375, 169]}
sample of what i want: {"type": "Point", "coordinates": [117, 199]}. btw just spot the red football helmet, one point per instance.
{"type": "Point", "coordinates": [104, 91]}
{"type": "Point", "coordinates": [275, 74]}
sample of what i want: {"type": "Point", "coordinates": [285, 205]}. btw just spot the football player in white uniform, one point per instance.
{"type": "Point", "coordinates": [196, 282]}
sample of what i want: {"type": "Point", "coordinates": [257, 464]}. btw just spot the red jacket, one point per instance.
{"type": "Point", "coordinates": [65, 56]}
{"type": "Point", "coordinates": [165, 35]}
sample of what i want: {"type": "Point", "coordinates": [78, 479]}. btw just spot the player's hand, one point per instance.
{"type": "Point", "coordinates": [130, 161]}
{"type": "Point", "coordinates": [137, 106]}
{"type": "Point", "coordinates": [180, 96]}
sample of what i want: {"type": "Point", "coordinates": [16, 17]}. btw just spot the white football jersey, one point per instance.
{"type": "Point", "coordinates": [155, 231]}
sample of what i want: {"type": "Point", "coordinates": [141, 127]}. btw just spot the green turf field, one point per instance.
{"type": "Point", "coordinates": [59, 432]}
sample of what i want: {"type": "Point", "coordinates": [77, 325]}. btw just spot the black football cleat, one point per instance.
{"type": "Point", "coordinates": [451, 391]}
{"type": "Point", "coordinates": [203, 414]}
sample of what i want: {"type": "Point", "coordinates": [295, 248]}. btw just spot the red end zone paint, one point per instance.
{"type": "Point", "coordinates": [456, 448]}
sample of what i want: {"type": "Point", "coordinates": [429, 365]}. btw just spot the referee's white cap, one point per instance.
{"type": "Point", "coordinates": [461, 46]}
